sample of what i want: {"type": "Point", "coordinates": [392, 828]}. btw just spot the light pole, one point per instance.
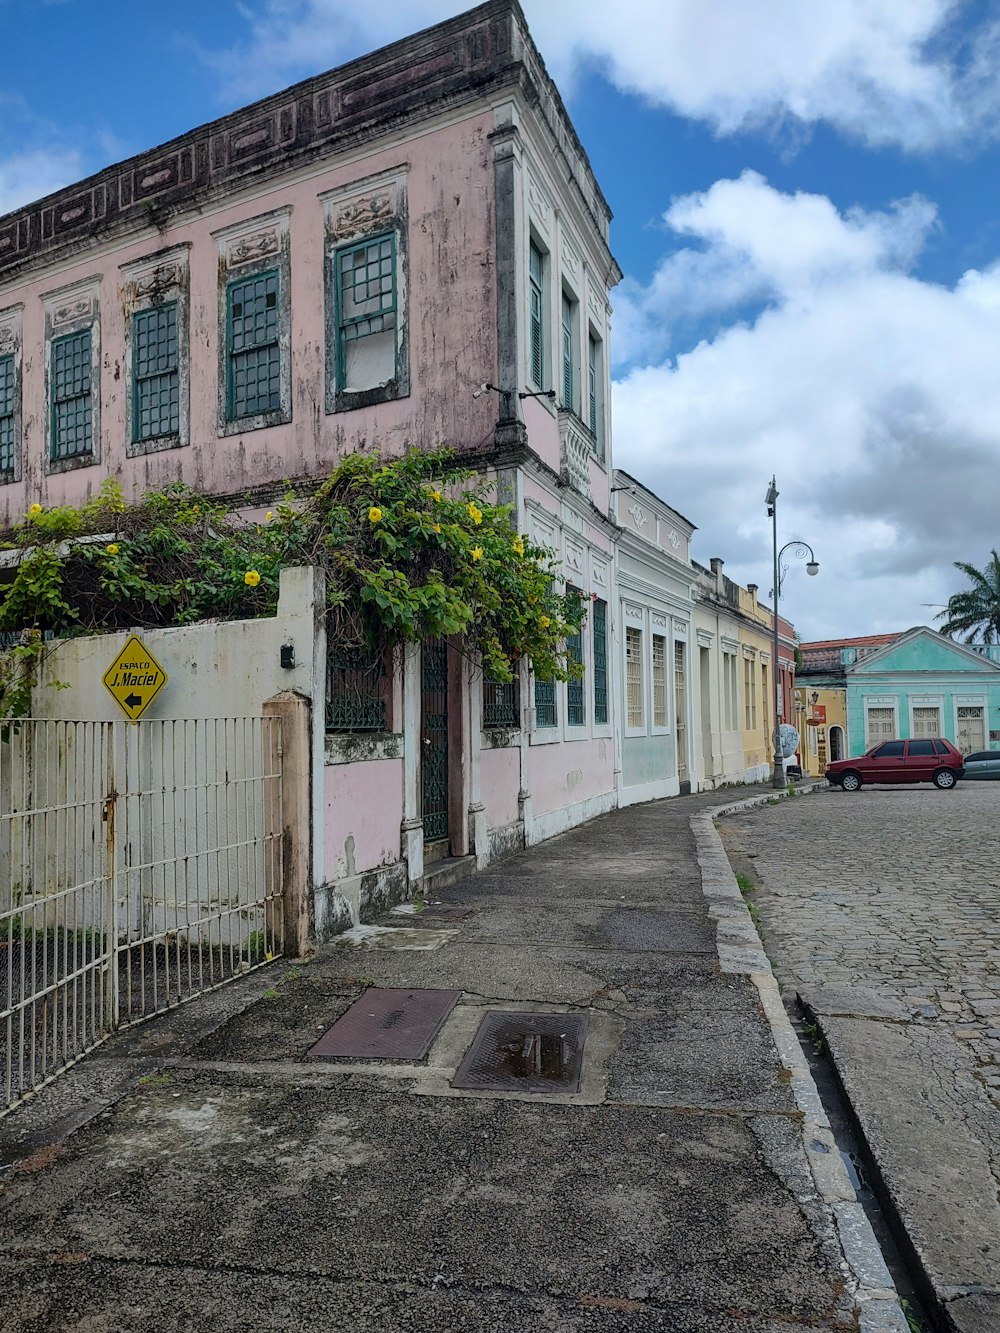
{"type": "Point", "coordinates": [800, 549]}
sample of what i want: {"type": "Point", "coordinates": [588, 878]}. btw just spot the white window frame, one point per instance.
{"type": "Point", "coordinates": [915, 701]}
{"type": "Point", "coordinates": [661, 632]}
{"type": "Point", "coordinates": [886, 701]}
{"type": "Point", "coordinates": [635, 626]}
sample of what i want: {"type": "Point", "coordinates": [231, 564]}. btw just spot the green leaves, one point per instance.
{"type": "Point", "coordinates": [413, 547]}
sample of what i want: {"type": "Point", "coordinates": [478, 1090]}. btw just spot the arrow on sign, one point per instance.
{"type": "Point", "coordinates": [133, 700]}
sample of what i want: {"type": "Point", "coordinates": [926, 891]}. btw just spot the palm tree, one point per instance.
{"type": "Point", "coordinates": [975, 613]}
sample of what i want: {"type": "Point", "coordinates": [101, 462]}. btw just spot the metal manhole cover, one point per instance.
{"type": "Point", "coordinates": [387, 1024]}
{"type": "Point", "coordinates": [525, 1053]}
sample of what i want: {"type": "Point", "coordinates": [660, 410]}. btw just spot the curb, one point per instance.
{"type": "Point", "coordinates": [740, 951]}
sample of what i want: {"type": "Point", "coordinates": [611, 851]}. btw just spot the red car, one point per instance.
{"type": "Point", "coordinates": [930, 759]}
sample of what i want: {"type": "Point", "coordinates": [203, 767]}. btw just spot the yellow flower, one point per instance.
{"type": "Point", "coordinates": [475, 513]}
{"type": "Point", "coordinates": [436, 496]}
{"type": "Point", "coordinates": [35, 509]}
{"type": "Point", "coordinates": [251, 578]}
{"type": "Point", "coordinates": [374, 514]}
{"type": "Point", "coordinates": [111, 548]}
{"type": "Point", "coordinates": [436, 527]}
{"type": "Point", "coordinates": [477, 553]}
{"type": "Point", "coordinates": [544, 621]}
{"type": "Point", "coordinates": [519, 547]}
{"type": "Point", "coordinates": [268, 516]}
{"type": "Point", "coordinates": [532, 599]}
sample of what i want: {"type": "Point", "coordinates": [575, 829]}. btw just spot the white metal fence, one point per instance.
{"type": "Point", "coordinates": [139, 865]}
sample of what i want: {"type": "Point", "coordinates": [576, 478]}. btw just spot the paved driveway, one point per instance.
{"type": "Point", "coordinates": [881, 909]}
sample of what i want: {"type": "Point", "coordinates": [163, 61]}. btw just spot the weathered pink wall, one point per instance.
{"type": "Point", "coordinates": [500, 781]}
{"type": "Point", "coordinates": [451, 319]}
{"type": "Point", "coordinates": [562, 775]}
{"type": "Point", "coordinates": [363, 809]}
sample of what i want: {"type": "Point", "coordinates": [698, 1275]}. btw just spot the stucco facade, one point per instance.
{"type": "Point", "coordinates": [735, 697]}
{"type": "Point", "coordinates": [411, 249]}
{"type": "Point", "coordinates": [656, 657]}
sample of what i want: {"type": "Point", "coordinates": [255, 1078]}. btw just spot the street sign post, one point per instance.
{"type": "Point", "coordinates": [134, 679]}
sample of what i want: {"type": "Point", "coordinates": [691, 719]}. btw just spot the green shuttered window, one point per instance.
{"type": "Point", "coordinates": [155, 373]}
{"type": "Point", "coordinates": [7, 416]}
{"type": "Point", "coordinates": [253, 347]}
{"type": "Point", "coordinates": [72, 403]}
{"type": "Point", "coordinates": [568, 320]}
{"type": "Point", "coordinates": [536, 316]}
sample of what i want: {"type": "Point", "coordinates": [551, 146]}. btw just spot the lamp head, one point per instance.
{"type": "Point", "coordinates": [812, 568]}
{"type": "Point", "coordinates": [772, 493]}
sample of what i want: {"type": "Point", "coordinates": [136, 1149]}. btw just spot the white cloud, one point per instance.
{"type": "Point", "coordinates": [878, 70]}
{"type": "Point", "coordinates": [42, 161]}
{"type": "Point", "coordinates": [874, 396]}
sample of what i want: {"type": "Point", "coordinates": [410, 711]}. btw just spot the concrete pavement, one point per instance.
{"type": "Point", "coordinates": [880, 909]}
{"type": "Point", "coordinates": [202, 1172]}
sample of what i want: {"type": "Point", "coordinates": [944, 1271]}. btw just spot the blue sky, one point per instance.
{"type": "Point", "coordinates": [807, 212]}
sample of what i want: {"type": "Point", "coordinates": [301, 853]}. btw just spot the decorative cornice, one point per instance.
{"type": "Point", "coordinates": [454, 64]}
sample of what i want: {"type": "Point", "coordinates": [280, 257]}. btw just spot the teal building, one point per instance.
{"type": "Point", "coordinates": [922, 684]}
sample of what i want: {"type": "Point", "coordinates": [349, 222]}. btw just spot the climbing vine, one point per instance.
{"type": "Point", "coordinates": [411, 548]}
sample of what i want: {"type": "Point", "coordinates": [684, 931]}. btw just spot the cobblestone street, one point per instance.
{"type": "Point", "coordinates": [893, 889]}
{"type": "Point", "coordinates": [881, 910]}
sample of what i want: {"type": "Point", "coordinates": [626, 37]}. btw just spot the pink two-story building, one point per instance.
{"type": "Point", "coordinates": [409, 250]}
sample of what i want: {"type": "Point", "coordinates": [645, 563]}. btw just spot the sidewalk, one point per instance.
{"type": "Point", "coordinates": [219, 1180]}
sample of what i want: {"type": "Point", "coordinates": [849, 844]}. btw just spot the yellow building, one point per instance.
{"type": "Point", "coordinates": [756, 685]}
{"type": "Point", "coordinates": [821, 719]}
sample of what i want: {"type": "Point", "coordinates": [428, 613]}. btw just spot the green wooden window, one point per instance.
{"type": "Point", "coordinates": [592, 382]}
{"type": "Point", "coordinates": [367, 313]}
{"type": "Point", "coordinates": [568, 321]}
{"type": "Point", "coordinates": [72, 404]}
{"type": "Point", "coordinates": [156, 390]}
{"type": "Point", "coordinates": [576, 708]}
{"type": "Point", "coordinates": [599, 637]}
{"type": "Point", "coordinates": [7, 414]}
{"type": "Point", "coordinates": [536, 315]}
{"type": "Point", "coordinates": [253, 348]}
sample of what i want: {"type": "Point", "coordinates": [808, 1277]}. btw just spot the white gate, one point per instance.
{"type": "Point", "coordinates": [144, 866]}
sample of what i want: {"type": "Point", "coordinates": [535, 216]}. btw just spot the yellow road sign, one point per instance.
{"type": "Point", "coordinates": [134, 679]}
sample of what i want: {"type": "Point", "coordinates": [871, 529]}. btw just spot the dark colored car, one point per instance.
{"type": "Point", "coordinates": [983, 764]}
{"type": "Point", "coordinates": [930, 759]}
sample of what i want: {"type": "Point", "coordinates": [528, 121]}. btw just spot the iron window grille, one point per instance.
{"type": "Point", "coordinates": [545, 703]}
{"type": "Point", "coordinates": [253, 383]}
{"type": "Point", "coordinates": [536, 314]}
{"type": "Point", "coordinates": [72, 403]}
{"type": "Point", "coordinates": [366, 296]}
{"type": "Point", "coordinates": [576, 708]}
{"type": "Point", "coordinates": [7, 406]}
{"type": "Point", "coordinates": [501, 704]}
{"type": "Point", "coordinates": [659, 681]}
{"type": "Point", "coordinates": [156, 409]}
{"type": "Point", "coordinates": [635, 716]}
{"type": "Point", "coordinates": [356, 686]}
{"type": "Point", "coordinates": [599, 639]}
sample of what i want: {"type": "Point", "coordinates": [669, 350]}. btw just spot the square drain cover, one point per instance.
{"type": "Point", "coordinates": [387, 1025]}
{"type": "Point", "coordinates": [525, 1053]}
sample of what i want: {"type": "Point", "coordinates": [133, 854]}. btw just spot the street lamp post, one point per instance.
{"type": "Point", "coordinates": [800, 549]}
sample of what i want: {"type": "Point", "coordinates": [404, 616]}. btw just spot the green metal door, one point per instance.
{"type": "Point", "coordinates": [434, 740]}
